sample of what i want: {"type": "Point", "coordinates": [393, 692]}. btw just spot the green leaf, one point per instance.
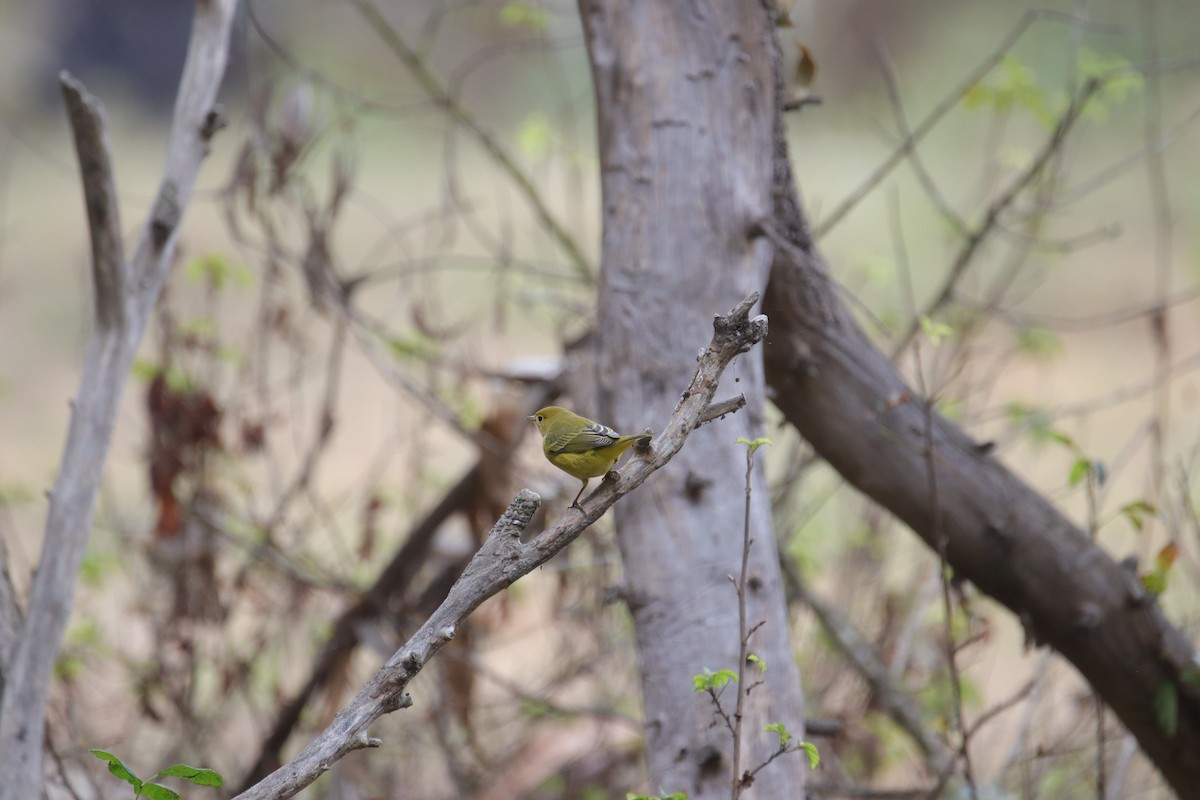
{"type": "Point", "coordinates": [197, 775]}
{"type": "Point", "coordinates": [156, 791]}
{"type": "Point", "coordinates": [524, 15]}
{"type": "Point", "coordinates": [753, 659]}
{"type": "Point", "coordinates": [536, 135]}
{"type": "Point", "coordinates": [1078, 471]}
{"type": "Point", "coordinates": [117, 767]}
{"type": "Point", "coordinates": [1012, 86]}
{"type": "Point", "coordinates": [935, 332]}
{"type": "Point", "coordinates": [199, 329]}
{"type": "Point", "coordinates": [1063, 439]}
{"type": "Point", "coordinates": [753, 444]}
{"type": "Point", "coordinates": [144, 370]}
{"type": "Point", "coordinates": [814, 757]}
{"type": "Point", "coordinates": [1083, 467]}
{"type": "Point", "coordinates": [781, 731]}
{"type": "Point", "coordinates": [1039, 342]}
{"type": "Point", "coordinates": [713, 680]}
{"type": "Point", "coordinates": [1136, 512]}
{"type": "Point", "coordinates": [1154, 582]}
{"type": "Point", "coordinates": [1118, 80]}
{"type": "Point", "coordinates": [1166, 707]}
{"type": "Point", "coordinates": [218, 271]}
{"type": "Point", "coordinates": [416, 347]}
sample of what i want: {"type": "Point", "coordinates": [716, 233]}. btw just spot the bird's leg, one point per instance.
{"type": "Point", "coordinates": [575, 502]}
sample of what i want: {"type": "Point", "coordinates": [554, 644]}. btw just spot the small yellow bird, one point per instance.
{"type": "Point", "coordinates": [580, 447]}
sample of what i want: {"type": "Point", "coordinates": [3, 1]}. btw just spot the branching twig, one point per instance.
{"type": "Point", "coordinates": [743, 633]}
{"type": "Point", "coordinates": [503, 559]}
{"type": "Point", "coordinates": [125, 294]}
{"type": "Point", "coordinates": [979, 234]}
{"type": "Point", "coordinates": [944, 107]}
{"type": "Point", "coordinates": [892, 699]}
{"type": "Point", "coordinates": [460, 116]}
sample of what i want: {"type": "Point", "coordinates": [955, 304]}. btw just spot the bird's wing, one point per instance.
{"type": "Point", "coordinates": [592, 437]}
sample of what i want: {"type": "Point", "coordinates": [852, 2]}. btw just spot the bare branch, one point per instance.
{"type": "Point", "coordinates": [124, 302]}
{"type": "Point", "coordinates": [90, 131]}
{"type": "Point", "coordinates": [943, 107]}
{"type": "Point", "coordinates": [979, 234]}
{"type": "Point", "coordinates": [862, 656]}
{"type": "Point", "coordinates": [504, 558]}
{"type": "Point", "coordinates": [413, 61]}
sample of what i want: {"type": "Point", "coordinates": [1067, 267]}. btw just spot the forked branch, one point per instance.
{"type": "Point", "coordinates": [504, 559]}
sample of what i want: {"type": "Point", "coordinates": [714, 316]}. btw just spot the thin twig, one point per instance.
{"type": "Point", "coordinates": [743, 634]}
{"type": "Point", "coordinates": [858, 651]}
{"type": "Point", "coordinates": [935, 505]}
{"type": "Point", "coordinates": [1160, 204]}
{"type": "Point", "coordinates": [979, 234]}
{"type": "Point", "coordinates": [456, 112]}
{"type": "Point", "coordinates": [503, 559]}
{"type": "Point", "coordinates": [948, 103]}
{"type": "Point", "coordinates": [892, 84]}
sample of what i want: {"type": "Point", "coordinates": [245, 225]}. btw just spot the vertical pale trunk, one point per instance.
{"type": "Point", "coordinates": [685, 107]}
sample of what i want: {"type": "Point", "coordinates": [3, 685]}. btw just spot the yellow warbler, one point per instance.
{"type": "Point", "coordinates": [580, 447]}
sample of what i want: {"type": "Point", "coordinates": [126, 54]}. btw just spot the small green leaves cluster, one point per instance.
{"type": "Point", "coordinates": [709, 681]}
{"type": "Point", "coordinates": [524, 15]}
{"type": "Point", "coordinates": [1118, 81]}
{"type": "Point", "coordinates": [935, 332]}
{"type": "Point", "coordinates": [536, 135]}
{"type": "Point", "coordinates": [671, 796]}
{"type": "Point", "coordinates": [1014, 86]}
{"type": "Point", "coordinates": [1135, 512]}
{"type": "Point", "coordinates": [1155, 581]}
{"type": "Point", "coordinates": [785, 744]}
{"type": "Point", "coordinates": [414, 346]}
{"type": "Point", "coordinates": [1038, 342]}
{"type": "Point", "coordinates": [218, 272]}
{"type": "Point", "coordinates": [753, 444]}
{"type": "Point", "coordinates": [156, 791]}
{"type": "Point", "coordinates": [1083, 466]}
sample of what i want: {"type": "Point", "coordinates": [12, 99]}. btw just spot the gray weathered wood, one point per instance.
{"type": "Point", "coordinates": [685, 108]}
{"type": "Point", "coordinates": [125, 294]}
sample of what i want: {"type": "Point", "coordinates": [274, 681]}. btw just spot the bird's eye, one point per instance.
{"type": "Point", "coordinates": [540, 418]}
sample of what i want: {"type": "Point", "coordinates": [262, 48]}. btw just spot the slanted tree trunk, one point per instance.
{"type": "Point", "coordinates": [685, 107]}
{"type": "Point", "coordinates": [852, 405]}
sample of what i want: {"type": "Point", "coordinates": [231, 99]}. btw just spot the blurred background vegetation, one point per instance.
{"type": "Point", "coordinates": [276, 444]}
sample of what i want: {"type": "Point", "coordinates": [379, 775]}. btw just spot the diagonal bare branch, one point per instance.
{"type": "Point", "coordinates": [504, 558]}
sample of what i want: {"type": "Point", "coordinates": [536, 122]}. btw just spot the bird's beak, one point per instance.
{"type": "Point", "coordinates": [530, 417]}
